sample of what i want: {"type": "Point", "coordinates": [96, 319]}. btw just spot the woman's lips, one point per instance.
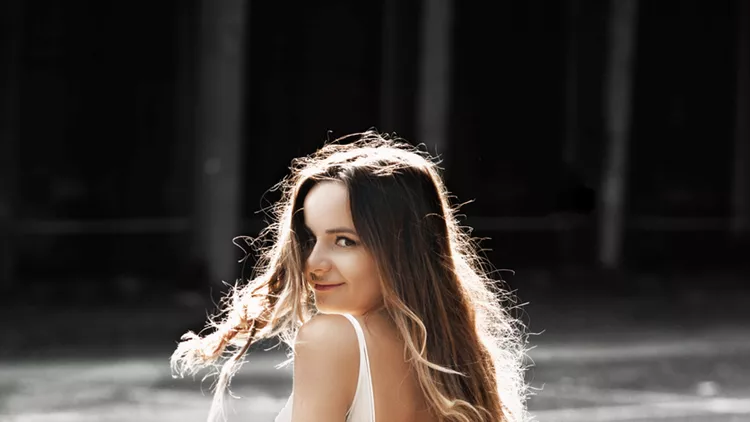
{"type": "Point", "coordinates": [324, 287]}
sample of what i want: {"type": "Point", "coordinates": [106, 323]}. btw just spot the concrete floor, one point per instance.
{"type": "Point", "coordinates": [592, 363]}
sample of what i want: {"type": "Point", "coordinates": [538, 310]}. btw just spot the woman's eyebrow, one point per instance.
{"type": "Point", "coordinates": [341, 230]}
{"type": "Point", "coordinates": [335, 230]}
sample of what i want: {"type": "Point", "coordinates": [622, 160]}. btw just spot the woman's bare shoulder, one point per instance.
{"type": "Point", "coordinates": [328, 331]}
{"type": "Point", "coordinates": [326, 366]}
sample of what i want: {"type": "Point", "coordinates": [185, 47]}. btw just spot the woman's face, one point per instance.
{"type": "Point", "coordinates": [341, 272]}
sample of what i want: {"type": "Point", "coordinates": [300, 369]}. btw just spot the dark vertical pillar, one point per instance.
{"type": "Point", "coordinates": [622, 34]}
{"type": "Point", "coordinates": [12, 28]}
{"type": "Point", "coordinates": [741, 175]}
{"type": "Point", "coordinates": [219, 137]}
{"type": "Point", "coordinates": [433, 104]}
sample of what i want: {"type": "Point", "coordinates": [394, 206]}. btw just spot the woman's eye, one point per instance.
{"type": "Point", "coordinates": [345, 242]}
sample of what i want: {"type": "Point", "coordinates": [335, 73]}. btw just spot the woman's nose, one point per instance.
{"type": "Point", "coordinates": [318, 261]}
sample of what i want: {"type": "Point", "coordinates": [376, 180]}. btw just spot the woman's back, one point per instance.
{"type": "Point", "coordinates": [396, 389]}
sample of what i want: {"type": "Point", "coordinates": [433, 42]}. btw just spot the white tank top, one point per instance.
{"type": "Point", "coordinates": [363, 405]}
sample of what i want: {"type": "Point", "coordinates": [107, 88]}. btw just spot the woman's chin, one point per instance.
{"type": "Point", "coordinates": [330, 308]}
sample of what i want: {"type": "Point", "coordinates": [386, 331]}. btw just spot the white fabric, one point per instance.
{"type": "Point", "coordinates": [363, 405]}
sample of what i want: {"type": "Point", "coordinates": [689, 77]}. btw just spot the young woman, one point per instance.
{"type": "Point", "coordinates": [379, 293]}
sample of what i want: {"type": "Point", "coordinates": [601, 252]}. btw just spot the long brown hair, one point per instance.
{"type": "Point", "coordinates": [464, 345]}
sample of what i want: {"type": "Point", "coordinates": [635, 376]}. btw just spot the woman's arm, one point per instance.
{"type": "Point", "coordinates": [326, 369]}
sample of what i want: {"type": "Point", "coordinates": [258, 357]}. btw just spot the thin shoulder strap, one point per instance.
{"type": "Point", "coordinates": [364, 368]}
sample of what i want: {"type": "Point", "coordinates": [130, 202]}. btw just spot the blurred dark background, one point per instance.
{"type": "Point", "coordinates": [602, 149]}
{"type": "Point", "coordinates": [599, 147]}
